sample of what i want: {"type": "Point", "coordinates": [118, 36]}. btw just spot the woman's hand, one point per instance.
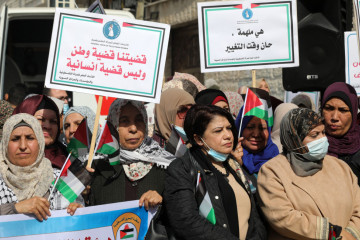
{"type": "Point", "coordinates": [346, 235]}
{"type": "Point", "coordinates": [36, 205]}
{"type": "Point", "coordinates": [150, 199]}
{"type": "Point", "coordinates": [72, 208]}
{"type": "Point", "coordinates": [238, 152]}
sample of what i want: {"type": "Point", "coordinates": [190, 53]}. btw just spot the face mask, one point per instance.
{"type": "Point", "coordinates": [181, 132]}
{"type": "Point", "coordinates": [219, 157]}
{"type": "Point", "coordinates": [65, 108]}
{"type": "Point", "coordinates": [317, 149]}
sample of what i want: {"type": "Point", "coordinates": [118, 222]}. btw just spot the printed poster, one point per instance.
{"type": "Point", "coordinates": [352, 61]}
{"type": "Point", "coordinates": [116, 221]}
{"type": "Point", "coordinates": [247, 35]}
{"type": "Point", "coordinates": [107, 55]}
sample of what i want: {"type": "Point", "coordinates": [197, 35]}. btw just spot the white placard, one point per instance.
{"type": "Point", "coordinates": [352, 61]}
{"type": "Point", "coordinates": [314, 96]}
{"type": "Point", "coordinates": [247, 35]}
{"type": "Point", "coordinates": [123, 220]}
{"type": "Point", "coordinates": [107, 55]}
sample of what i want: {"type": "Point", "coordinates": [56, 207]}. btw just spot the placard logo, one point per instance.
{"type": "Point", "coordinates": [111, 30]}
{"type": "Point", "coordinates": [247, 13]}
{"type": "Point", "coordinates": [126, 226]}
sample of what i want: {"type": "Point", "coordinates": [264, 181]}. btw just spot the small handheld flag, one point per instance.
{"type": "Point", "coordinates": [80, 142]}
{"type": "Point", "coordinates": [108, 143]}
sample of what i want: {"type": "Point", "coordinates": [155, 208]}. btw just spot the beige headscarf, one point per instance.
{"type": "Point", "coordinates": [165, 111]}
{"type": "Point", "coordinates": [29, 181]}
{"type": "Point", "coordinates": [279, 114]}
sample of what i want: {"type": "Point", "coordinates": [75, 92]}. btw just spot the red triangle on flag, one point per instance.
{"type": "Point", "coordinates": [252, 101]}
{"type": "Point", "coordinates": [105, 136]}
{"type": "Point", "coordinates": [97, 20]}
{"type": "Point", "coordinates": [81, 133]}
{"type": "Point", "coordinates": [64, 171]}
{"type": "Point", "coordinates": [254, 5]}
{"type": "Point", "coordinates": [122, 234]}
{"type": "Point", "coordinates": [127, 24]}
{"type": "Point", "coordinates": [239, 6]}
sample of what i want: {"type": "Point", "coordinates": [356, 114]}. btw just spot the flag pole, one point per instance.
{"type": "Point", "coordinates": [93, 138]}
{"type": "Point", "coordinates": [57, 179]}
{"type": "Point", "coordinates": [253, 75]}
{"type": "Point", "coordinates": [242, 115]}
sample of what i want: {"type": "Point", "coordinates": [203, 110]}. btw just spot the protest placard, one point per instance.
{"type": "Point", "coordinates": [352, 61]}
{"type": "Point", "coordinates": [107, 55]}
{"type": "Point", "coordinates": [247, 35]}
{"type": "Point", "coordinates": [123, 220]}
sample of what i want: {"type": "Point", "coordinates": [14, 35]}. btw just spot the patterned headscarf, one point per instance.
{"type": "Point", "coordinates": [28, 181]}
{"type": "Point", "coordinates": [83, 111]}
{"type": "Point", "coordinates": [294, 127]}
{"type": "Point", "coordinates": [5, 112]}
{"type": "Point", "coordinates": [190, 78]}
{"type": "Point", "coordinates": [235, 102]}
{"type": "Point", "coordinates": [138, 162]}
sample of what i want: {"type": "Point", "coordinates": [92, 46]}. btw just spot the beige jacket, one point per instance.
{"type": "Point", "coordinates": [302, 207]}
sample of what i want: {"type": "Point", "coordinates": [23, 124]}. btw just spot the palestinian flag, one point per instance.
{"type": "Point", "coordinates": [72, 179]}
{"type": "Point", "coordinates": [203, 200]}
{"type": "Point", "coordinates": [176, 144]}
{"type": "Point", "coordinates": [109, 144]}
{"type": "Point", "coordinates": [258, 104]}
{"type": "Point", "coordinates": [80, 142]}
{"type": "Point", "coordinates": [127, 232]}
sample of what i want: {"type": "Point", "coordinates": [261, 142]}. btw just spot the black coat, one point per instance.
{"type": "Point", "coordinates": [182, 210]}
{"type": "Point", "coordinates": [108, 185]}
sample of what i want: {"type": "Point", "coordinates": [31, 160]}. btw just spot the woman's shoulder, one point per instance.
{"type": "Point", "coordinates": [280, 161]}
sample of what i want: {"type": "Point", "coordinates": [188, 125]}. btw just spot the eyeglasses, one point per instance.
{"type": "Point", "coordinates": [65, 98]}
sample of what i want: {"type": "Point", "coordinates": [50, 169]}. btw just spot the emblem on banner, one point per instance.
{"type": "Point", "coordinates": [111, 30]}
{"type": "Point", "coordinates": [247, 13]}
{"type": "Point", "coordinates": [126, 226]}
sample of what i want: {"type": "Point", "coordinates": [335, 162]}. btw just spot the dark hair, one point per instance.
{"type": "Point", "coordinates": [198, 118]}
{"type": "Point", "coordinates": [17, 94]}
{"type": "Point", "coordinates": [46, 91]}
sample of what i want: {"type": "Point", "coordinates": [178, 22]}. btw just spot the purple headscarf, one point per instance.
{"type": "Point", "coordinates": [350, 142]}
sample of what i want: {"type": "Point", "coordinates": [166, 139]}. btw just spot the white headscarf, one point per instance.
{"type": "Point", "coordinates": [28, 181]}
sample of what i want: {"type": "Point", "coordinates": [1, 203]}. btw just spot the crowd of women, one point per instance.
{"type": "Point", "coordinates": [237, 179]}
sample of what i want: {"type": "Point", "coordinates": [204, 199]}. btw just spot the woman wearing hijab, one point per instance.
{"type": "Point", "coordinates": [47, 113]}
{"type": "Point", "coordinates": [279, 114]}
{"type": "Point", "coordinates": [170, 112]}
{"type": "Point", "coordinates": [26, 175]}
{"type": "Point", "coordinates": [207, 195]}
{"type": "Point", "coordinates": [213, 97]}
{"type": "Point", "coordinates": [140, 174]}
{"type": "Point", "coordinates": [339, 108]}
{"type": "Point", "coordinates": [305, 193]}
{"type": "Point", "coordinates": [257, 143]}
{"type": "Point", "coordinates": [73, 118]}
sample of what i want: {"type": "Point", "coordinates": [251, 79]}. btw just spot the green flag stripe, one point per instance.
{"type": "Point", "coordinates": [211, 216]}
{"type": "Point", "coordinates": [76, 144]}
{"type": "Point", "coordinates": [66, 191]}
{"type": "Point", "coordinates": [128, 236]}
{"type": "Point", "coordinates": [106, 149]}
{"type": "Point", "coordinates": [260, 113]}
{"type": "Point", "coordinates": [112, 163]}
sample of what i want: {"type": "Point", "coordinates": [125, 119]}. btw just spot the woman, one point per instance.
{"type": "Point", "coordinates": [139, 176]}
{"type": "Point", "coordinates": [257, 143]}
{"type": "Point", "coordinates": [171, 111]}
{"type": "Point", "coordinates": [279, 114]}
{"type": "Point", "coordinates": [73, 118]}
{"type": "Point", "coordinates": [213, 97]}
{"type": "Point", "coordinates": [305, 193]}
{"type": "Point", "coordinates": [339, 108]}
{"type": "Point", "coordinates": [47, 113]}
{"type": "Point", "coordinates": [26, 175]}
{"type": "Point", "coordinates": [206, 192]}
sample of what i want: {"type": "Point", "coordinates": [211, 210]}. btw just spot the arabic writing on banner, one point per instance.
{"type": "Point", "coordinates": [244, 35]}
{"type": "Point", "coordinates": [108, 56]}
{"type": "Point", "coordinates": [352, 61]}
{"type": "Point", "coordinates": [104, 222]}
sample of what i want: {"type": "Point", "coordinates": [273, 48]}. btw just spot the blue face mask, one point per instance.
{"type": "Point", "coordinates": [181, 132]}
{"type": "Point", "coordinates": [317, 149]}
{"type": "Point", "coordinates": [65, 108]}
{"type": "Point", "coordinates": [219, 157]}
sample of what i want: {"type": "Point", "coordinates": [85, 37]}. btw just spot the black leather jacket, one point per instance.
{"type": "Point", "coordinates": [182, 210]}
